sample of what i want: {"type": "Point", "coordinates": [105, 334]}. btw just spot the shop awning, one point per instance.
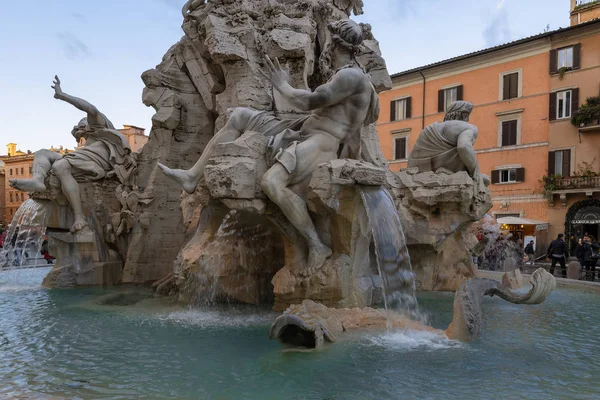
{"type": "Point", "coordinates": [539, 225]}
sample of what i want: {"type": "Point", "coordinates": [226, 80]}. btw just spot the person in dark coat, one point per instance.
{"type": "Point", "coordinates": [591, 250]}
{"type": "Point", "coordinates": [530, 252]}
{"type": "Point", "coordinates": [580, 252]}
{"type": "Point", "coordinates": [557, 253]}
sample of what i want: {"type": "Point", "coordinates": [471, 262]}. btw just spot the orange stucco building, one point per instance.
{"type": "Point", "coordinates": [517, 90]}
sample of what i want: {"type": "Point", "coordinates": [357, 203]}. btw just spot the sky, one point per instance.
{"type": "Point", "coordinates": [99, 49]}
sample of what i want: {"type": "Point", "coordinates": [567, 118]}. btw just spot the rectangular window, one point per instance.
{"type": "Point", "coordinates": [509, 133]}
{"type": "Point", "coordinates": [399, 111]}
{"type": "Point", "coordinates": [30, 170]}
{"type": "Point", "coordinates": [10, 196]}
{"type": "Point", "coordinates": [400, 148]}
{"type": "Point", "coordinates": [510, 86]}
{"type": "Point", "coordinates": [565, 58]}
{"type": "Point", "coordinates": [508, 175]}
{"type": "Point", "coordinates": [563, 104]}
{"type": "Point", "coordinates": [11, 172]}
{"type": "Point", "coordinates": [559, 163]}
{"type": "Point", "coordinates": [21, 170]}
{"type": "Point", "coordinates": [450, 96]}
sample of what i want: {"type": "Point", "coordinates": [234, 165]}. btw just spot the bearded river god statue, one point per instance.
{"type": "Point", "coordinates": [296, 147]}
{"type": "Point", "coordinates": [106, 154]}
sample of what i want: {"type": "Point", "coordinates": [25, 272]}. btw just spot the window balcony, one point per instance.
{"type": "Point", "coordinates": [593, 127]}
{"type": "Point", "coordinates": [573, 185]}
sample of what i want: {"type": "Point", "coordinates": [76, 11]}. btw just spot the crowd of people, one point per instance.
{"type": "Point", "coordinates": [586, 249]}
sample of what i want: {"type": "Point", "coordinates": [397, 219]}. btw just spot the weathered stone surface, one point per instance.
{"type": "Point", "coordinates": [574, 270]}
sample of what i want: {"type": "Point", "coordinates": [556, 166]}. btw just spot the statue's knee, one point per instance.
{"type": "Point", "coordinates": [61, 167]}
{"type": "Point", "coordinates": [42, 153]}
{"type": "Point", "coordinates": [240, 116]}
{"type": "Point", "coordinates": [268, 185]}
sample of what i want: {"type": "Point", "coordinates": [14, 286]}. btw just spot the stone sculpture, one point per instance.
{"type": "Point", "coordinates": [105, 154]}
{"type": "Point", "coordinates": [340, 108]}
{"type": "Point", "coordinates": [449, 145]}
{"type": "Point", "coordinates": [311, 325]}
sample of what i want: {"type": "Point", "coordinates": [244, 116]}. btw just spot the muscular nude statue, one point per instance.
{"type": "Point", "coordinates": [347, 102]}
{"type": "Point", "coordinates": [105, 147]}
{"type": "Point", "coordinates": [449, 144]}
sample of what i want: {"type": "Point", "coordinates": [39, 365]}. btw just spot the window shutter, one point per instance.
{"type": "Point", "coordinates": [566, 167]}
{"type": "Point", "coordinates": [441, 101]}
{"type": "Point", "coordinates": [392, 111]}
{"type": "Point", "coordinates": [459, 93]}
{"type": "Point", "coordinates": [400, 148]}
{"type": "Point", "coordinates": [514, 86]}
{"type": "Point", "coordinates": [552, 106]}
{"type": "Point", "coordinates": [505, 132]}
{"type": "Point", "coordinates": [496, 176]}
{"type": "Point", "coordinates": [574, 100]}
{"type": "Point", "coordinates": [553, 62]}
{"type": "Point", "coordinates": [408, 107]}
{"type": "Point", "coordinates": [520, 174]}
{"type": "Point", "coordinates": [577, 56]}
{"type": "Point", "coordinates": [506, 88]}
{"type": "Point", "coordinates": [550, 163]}
{"type": "Point", "coordinates": [513, 132]}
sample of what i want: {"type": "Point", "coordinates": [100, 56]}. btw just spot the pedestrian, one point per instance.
{"type": "Point", "coordinates": [557, 253]}
{"type": "Point", "coordinates": [591, 256]}
{"type": "Point", "coordinates": [13, 244]}
{"type": "Point", "coordinates": [45, 253]}
{"type": "Point", "coordinates": [580, 253]}
{"type": "Point", "coordinates": [530, 252]}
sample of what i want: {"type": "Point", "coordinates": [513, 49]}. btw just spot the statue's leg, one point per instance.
{"type": "Point", "coordinates": [42, 162]}
{"type": "Point", "coordinates": [233, 129]}
{"type": "Point", "coordinates": [70, 187]}
{"type": "Point", "coordinates": [274, 184]}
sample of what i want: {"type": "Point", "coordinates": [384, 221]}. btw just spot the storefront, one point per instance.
{"type": "Point", "coordinates": [583, 218]}
{"type": "Point", "coordinates": [526, 230]}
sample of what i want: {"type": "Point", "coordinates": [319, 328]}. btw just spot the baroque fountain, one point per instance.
{"type": "Point", "coordinates": [265, 117]}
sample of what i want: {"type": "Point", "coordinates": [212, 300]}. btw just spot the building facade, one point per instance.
{"type": "Point", "coordinates": [524, 94]}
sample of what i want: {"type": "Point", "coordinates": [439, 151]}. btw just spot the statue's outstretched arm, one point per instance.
{"type": "Point", "coordinates": [94, 116]}
{"type": "Point", "coordinates": [335, 91]}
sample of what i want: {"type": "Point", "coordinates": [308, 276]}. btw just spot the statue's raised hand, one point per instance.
{"type": "Point", "coordinates": [274, 73]}
{"type": "Point", "coordinates": [56, 86]}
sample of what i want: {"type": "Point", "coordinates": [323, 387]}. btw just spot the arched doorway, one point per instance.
{"type": "Point", "coordinates": [583, 217]}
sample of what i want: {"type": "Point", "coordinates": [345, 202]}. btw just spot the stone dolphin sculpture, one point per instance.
{"type": "Point", "coordinates": [311, 324]}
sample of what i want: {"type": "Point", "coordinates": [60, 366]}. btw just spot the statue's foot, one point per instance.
{"type": "Point", "coordinates": [180, 176]}
{"type": "Point", "coordinates": [78, 225]}
{"type": "Point", "coordinates": [316, 258]}
{"type": "Point", "coordinates": [28, 185]}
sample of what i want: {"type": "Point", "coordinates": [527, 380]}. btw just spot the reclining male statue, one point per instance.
{"type": "Point", "coordinates": [449, 144]}
{"type": "Point", "coordinates": [340, 108]}
{"type": "Point", "coordinates": [105, 147]}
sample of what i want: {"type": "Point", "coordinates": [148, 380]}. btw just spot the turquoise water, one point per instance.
{"type": "Point", "coordinates": [98, 344]}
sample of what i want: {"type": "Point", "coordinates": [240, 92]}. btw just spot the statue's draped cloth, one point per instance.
{"type": "Point", "coordinates": [107, 148]}
{"type": "Point", "coordinates": [285, 134]}
{"type": "Point", "coordinates": [433, 151]}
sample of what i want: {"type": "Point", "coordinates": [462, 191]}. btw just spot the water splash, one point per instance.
{"type": "Point", "coordinates": [27, 228]}
{"type": "Point", "coordinates": [393, 260]}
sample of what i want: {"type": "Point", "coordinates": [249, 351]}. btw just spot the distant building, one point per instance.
{"type": "Point", "coordinates": [2, 194]}
{"type": "Point", "coordinates": [17, 164]}
{"type": "Point", "coordinates": [525, 93]}
{"type": "Point", "coordinates": [135, 136]}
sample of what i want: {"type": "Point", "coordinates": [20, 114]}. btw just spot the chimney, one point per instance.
{"type": "Point", "coordinates": [11, 149]}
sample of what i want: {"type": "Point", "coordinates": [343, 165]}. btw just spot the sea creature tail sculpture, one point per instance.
{"type": "Point", "coordinates": [467, 320]}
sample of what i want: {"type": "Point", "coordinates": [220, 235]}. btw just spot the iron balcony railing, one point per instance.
{"type": "Point", "coordinates": [578, 182]}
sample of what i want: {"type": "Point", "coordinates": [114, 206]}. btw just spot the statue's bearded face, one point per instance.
{"type": "Point", "coordinates": [79, 130]}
